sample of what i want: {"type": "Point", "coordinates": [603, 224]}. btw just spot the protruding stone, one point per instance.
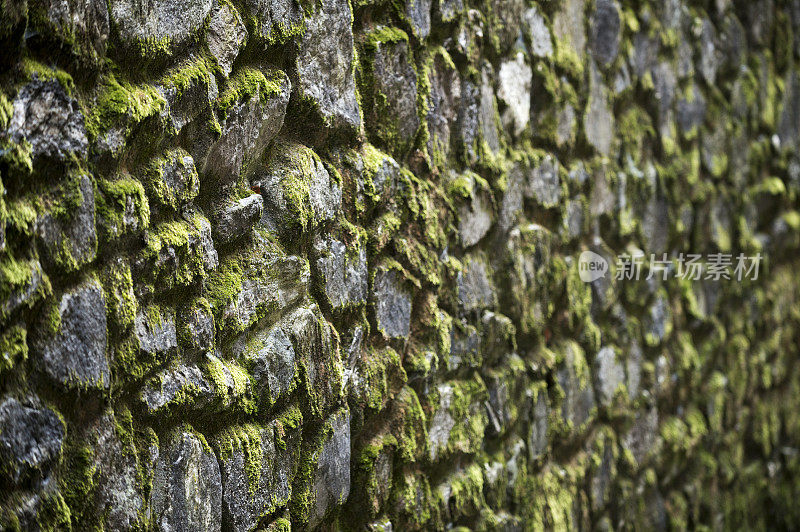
{"type": "Point", "coordinates": [83, 23]}
{"type": "Point", "coordinates": [514, 89]}
{"type": "Point", "coordinates": [30, 438]}
{"type": "Point", "coordinates": [257, 464]}
{"type": "Point", "coordinates": [299, 193]}
{"type": "Point", "coordinates": [418, 13]}
{"type": "Point", "coordinates": [609, 375]}
{"type": "Point", "coordinates": [576, 383]}
{"type": "Point", "coordinates": [390, 91]}
{"type": "Point", "coordinates": [331, 480]}
{"type": "Point", "coordinates": [187, 486]}
{"type": "Point", "coordinates": [156, 332]}
{"type": "Point", "coordinates": [276, 20]}
{"type": "Point", "coordinates": [392, 304]}
{"type": "Point", "coordinates": [544, 182]}
{"type": "Point", "coordinates": [604, 31]}
{"type": "Point", "coordinates": [324, 66]}
{"type": "Point", "coordinates": [49, 119]}
{"type": "Point", "coordinates": [443, 104]}
{"type": "Point", "coordinates": [342, 271]}
{"type": "Point", "coordinates": [641, 437]}
{"type": "Point", "coordinates": [474, 208]}
{"type": "Point", "coordinates": [172, 179]}
{"type": "Point", "coordinates": [238, 219]}
{"type": "Point", "coordinates": [70, 240]}
{"type": "Point", "coordinates": [252, 119]}
{"type": "Point", "coordinates": [537, 435]}
{"type": "Point", "coordinates": [183, 386]}
{"type": "Point", "coordinates": [170, 22]}
{"type": "Point", "coordinates": [270, 357]}
{"type": "Point", "coordinates": [475, 289]}
{"type": "Point", "coordinates": [226, 35]}
{"type": "Point", "coordinates": [28, 285]}
{"type": "Point", "coordinates": [538, 33]}
{"type": "Point", "coordinates": [598, 123]}
{"type": "Point", "coordinates": [72, 349]}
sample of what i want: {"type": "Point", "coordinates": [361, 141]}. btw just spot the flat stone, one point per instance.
{"type": "Point", "coordinates": [187, 486]}
{"type": "Point", "coordinates": [443, 104]}
{"type": "Point", "coordinates": [342, 271]}
{"type": "Point", "coordinates": [392, 304]}
{"type": "Point", "coordinates": [276, 20]}
{"type": "Point", "coordinates": [75, 354]}
{"type": "Point", "coordinates": [49, 119]}
{"type": "Point", "coordinates": [270, 357]}
{"type": "Point", "coordinates": [70, 240]}
{"type": "Point", "coordinates": [182, 386]}
{"type": "Point", "coordinates": [544, 183]}
{"type": "Point", "coordinates": [604, 31]}
{"type": "Point", "coordinates": [324, 65]}
{"type": "Point", "coordinates": [538, 33]}
{"type": "Point", "coordinates": [169, 21]}
{"type": "Point", "coordinates": [475, 289]}
{"type": "Point", "coordinates": [30, 438]}
{"type": "Point", "coordinates": [226, 35]}
{"type": "Point", "coordinates": [238, 219]}
{"type": "Point", "coordinates": [598, 123]}
{"type": "Point", "coordinates": [514, 90]}
{"type": "Point", "coordinates": [156, 334]}
{"type": "Point", "coordinates": [248, 494]}
{"type": "Point", "coordinates": [609, 375]}
{"type": "Point", "coordinates": [392, 108]}
{"type": "Point", "coordinates": [331, 481]}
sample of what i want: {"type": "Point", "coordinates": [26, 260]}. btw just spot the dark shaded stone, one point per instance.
{"type": "Point", "coordinates": [238, 219]}
{"type": "Point", "coordinates": [391, 303]}
{"type": "Point", "coordinates": [604, 31]}
{"type": "Point", "coordinates": [30, 438]}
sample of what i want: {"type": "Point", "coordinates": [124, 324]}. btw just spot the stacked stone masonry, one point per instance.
{"type": "Point", "coordinates": [313, 264]}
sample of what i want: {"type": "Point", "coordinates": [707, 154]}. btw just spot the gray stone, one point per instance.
{"type": "Point", "coordinates": [173, 179]}
{"type": "Point", "coordinates": [443, 103]}
{"type": "Point", "coordinates": [655, 224]}
{"type": "Point", "coordinates": [538, 33]}
{"type": "Point", "coordinates": [331, 482]}
{"type": "Point", "coordinates": [392, 112]}
{"type": "Point", "coordinates": [665, 81]}
{"type": "Point", "coordinates": [645, 53]}
{"type": "Point", "coordinates": [511, 204]}
{"type": "Point", "coordinates": [189, 91]}
{"type": "Point", "coordinates": [392, 304]}
{"type": "Point", "coordinates": [324, 65]}
{"type": "Point", "coordinates": [30, 438]}
{"type": "Point", "coordinates": [568, 27]}
{"type": "Point", "coordinates": [789, 121]}
{"type": "Point", "coordinates": [537, 435]}
{"type": "Point", "coordinates": [464, 348]}
{"type": "Point", "coordinates": [691, 110]}
{"type": "Point", "coordinates": [487, 115]}
{"type": "Point", "coordinates": [633, 367]}
{"type": "Point", "coordinates": [226, 35]}
{"type": "Point", "coordinates": [75, 353]}
{"type": "Point", "coordinates": [450, 9]}
{"type": "Point", "coordinates": [119, 495]}
{"type": "Point", "coordinates": [441, 423]}
{"type": "Point", "coordinates": [251, 123]}
{"type": "Point", "coordinates": [474, 212]}
{"type": "Point", "coordinates": [658, 321]}
{"type": "Point", "coordinates": [270, 357]}
{"type": "Point", "coordinates": [418, 13]}
{"type": "Point", "coordinates": [604, 31]}
{"type": "Point", "coordinates": [609, 375]}
{"type": "Point", "coordinates": [238, 219]}
{"type": "Point", "coordinates": [342, 271]}
{"type": "Point", "coordinates": [187, 486]}
{"type": "Point", "coordinates": [574, 218]}
{"type": "Point", "coordinates": [155, 332]}
{"type": "Point", "coordinates": [299, 193]}
{"type": "Point", "coordinates": [578, 404]}
{"type": "Point", "coordinates": [18, 293]}
{"type": "Point", "coordinates": [598, 122]}
{"type": "Point", "coordinates": [514, 90]}
{"type": "Point", "coordinates": [197, 328]}
{"type": "Point", "coordinates": [276, 20]}
{"type": "Point", "coordinates": [70, 240]}
{"type": "Point", "coordinates": [468, 121]}
{"type": "Point", "coordinates": [641, 437]}
{"type": "Point", "coordinates": [544, 183]}
{"type": "Point", "coordinates": [49, 119]}
{"type": "Point", "coordinates": [84, 22]}
{"type": "Point", "coordinates": [244, 498]}
{"type": "Point", "coordinates": [271, 282]}
{"type": "Point", "coordinates": [181, 386]}
{"type": "Point", "coordinates": [169, 21]}
{"type": "Point", "coordinates": [475, 289]}
{"type": "Point", "coordinates": [710, 56]}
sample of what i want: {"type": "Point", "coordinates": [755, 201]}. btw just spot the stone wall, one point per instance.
{"type": "Point", "coordinates": [273, 264]}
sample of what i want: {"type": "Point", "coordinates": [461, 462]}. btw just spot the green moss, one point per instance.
{"type": "Point", "coordinates": [249, 82]}
{"type": "Point", "coordinates": [245, 439]}
{"type": "Point", "coordinates": [22, 284]}
{"type": "Point", "coordinates": [176, 251]}
{"type": "Point", "coordinates": [13, 347]}
{"type": "Point", "coordinates": [121, 102]}
{"type": "Point", "coordinates": [120, 301]}
{"type": "Point", "coordinates": [122, 207]}
{"type": "Point", "coordinates": [166, 190]}
{"type": "Point", "coordinates": [34, 69]}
